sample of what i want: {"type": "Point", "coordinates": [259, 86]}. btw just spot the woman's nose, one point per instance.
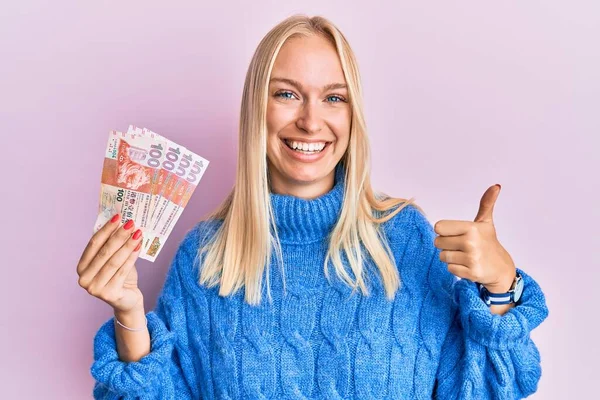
{"type": "Point", "coordinates": [309, 119]}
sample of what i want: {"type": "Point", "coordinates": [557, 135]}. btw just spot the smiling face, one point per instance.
{"type": "Point", "coordinates": [308, 110]}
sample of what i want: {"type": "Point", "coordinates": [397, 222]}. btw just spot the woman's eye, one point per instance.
{"type": "Point", "coordinates": [339, 99]}
{"type": "Point", "coordinates": [284, 95]}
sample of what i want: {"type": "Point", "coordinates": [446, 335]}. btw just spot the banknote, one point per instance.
{"type": "Point", "coordinates": [139, 159]}
{"type": "Point", "coordinates": [143, 132]}
{"type": "Point", "coordinates": [149, 179]}
{"type": "Point", "coordinates": [175, 172]}
{"type": "Point", "coordinates": [129, 163]}
{"type": "Point", "coordinates": [160, 174]}
{"type": "Point", "coordinates": [170, 168]}
{"type": "Point", "coordinates": [176, 197]}
{"type": "Point", "coordinates": [110, 198]}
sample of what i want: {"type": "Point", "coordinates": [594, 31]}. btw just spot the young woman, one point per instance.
{"type": "Point", "coordinates": [305, 283]}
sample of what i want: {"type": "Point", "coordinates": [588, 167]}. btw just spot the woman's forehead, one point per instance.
{"type": "Point", "coordinates": [311, 61]}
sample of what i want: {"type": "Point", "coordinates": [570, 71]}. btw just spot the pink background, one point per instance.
{"type": "Point", "coordinates": [458, 97]}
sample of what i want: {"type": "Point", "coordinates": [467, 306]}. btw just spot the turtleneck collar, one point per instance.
{"type": "Point", "coordinates": [301, 220]}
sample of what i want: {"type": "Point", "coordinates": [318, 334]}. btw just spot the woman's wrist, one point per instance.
{"type": "Point", "coordinates": [133, 319]}
{"type": "Point", "coordinates": [132, 334]}
{"type": "Point", "coordinates": [504, 285]}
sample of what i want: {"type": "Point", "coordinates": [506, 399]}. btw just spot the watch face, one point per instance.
{"type": "Point", "coordinates": [518, 290]}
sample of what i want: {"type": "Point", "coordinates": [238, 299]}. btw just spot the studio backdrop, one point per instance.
{"type": "Point", "coordinates": [458, 96]}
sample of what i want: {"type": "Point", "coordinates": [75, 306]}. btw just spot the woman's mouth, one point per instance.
{"type": "Point", "coordinates": [306, 148]}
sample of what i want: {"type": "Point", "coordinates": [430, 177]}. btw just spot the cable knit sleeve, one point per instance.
{"type": "Point", "coordinates": [167, 371]}
{"type": "Point", "coordinates": [484, 355]}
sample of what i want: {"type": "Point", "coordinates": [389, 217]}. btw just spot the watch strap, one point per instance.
{"type": "Point", "coordinates": [499, 298]}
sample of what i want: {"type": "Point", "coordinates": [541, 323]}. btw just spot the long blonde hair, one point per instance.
{"type": "Point", "coordinates": [241, 248]}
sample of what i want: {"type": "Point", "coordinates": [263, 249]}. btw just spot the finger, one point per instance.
{"type": "Point", "coordinates": [459, 270]}
{"type": "Point", "coordinates": [110, 247]}
{"type": "Point", "coordinates": [452, 243]}
{"type": "Point", "coordinates": [96, 242]}
{"type": "Point", "coordinates": [448, 227]}
{"type": "Point", "coordinates": [486, 204]}
{"type": "Point", "coordinates": [455, 257]}
{"type": "Point", "coordinates": [118, 279]}
{"type": "Point", "coordinates": [115, 262]}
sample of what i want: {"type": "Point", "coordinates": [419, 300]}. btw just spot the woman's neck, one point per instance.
{"type": "Point", "coordinates": [301, 220]}
{"type": "Point", "coordinates": [280, 184]}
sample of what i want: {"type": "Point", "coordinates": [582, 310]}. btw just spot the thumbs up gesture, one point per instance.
{"type": "Point", "coordinates": [472, 250]}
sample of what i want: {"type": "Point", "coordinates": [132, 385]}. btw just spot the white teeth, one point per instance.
{"type": "Point", "coordinates": [307, 147]}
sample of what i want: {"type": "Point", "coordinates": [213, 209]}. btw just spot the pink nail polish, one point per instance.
{"type": "Point", "coordinates": [128, 224]}
{"type": "Point", "coordinates": [137, 234]}
{"type": "Point", "coordinates": [115, 218]}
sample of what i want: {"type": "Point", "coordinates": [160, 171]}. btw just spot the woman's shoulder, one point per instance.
{"type": "Point", "coordinates": [186, 259]}
{"type": "Point", "coordinates": [412, 235]}
{"type": "Point", "coordinates": [196, 237]}
{"type": "Point", "coordinates": [411, 219]}
{"type": "Point", "coordinates": [201, 232]}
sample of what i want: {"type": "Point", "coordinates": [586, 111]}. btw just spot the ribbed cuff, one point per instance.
{"type": "Point", "coordinates": [132, 378]}
{"type": "Point", "coordinates": [500, 332]}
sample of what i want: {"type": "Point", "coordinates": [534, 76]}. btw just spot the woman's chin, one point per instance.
{"type": "Point", "coordinates": [305, 174]}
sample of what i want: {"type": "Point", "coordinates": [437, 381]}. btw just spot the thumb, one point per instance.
{"type": "Point", "coordinates": [486, 205]}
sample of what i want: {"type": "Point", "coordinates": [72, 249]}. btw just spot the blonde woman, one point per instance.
{"type": "Point", "coordinates": [307, 284]}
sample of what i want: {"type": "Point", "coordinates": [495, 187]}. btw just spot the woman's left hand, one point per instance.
{"type": "Point", "coordinates": [472, 250]}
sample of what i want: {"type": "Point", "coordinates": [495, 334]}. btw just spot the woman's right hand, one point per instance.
{"type": "Point", "coordinates": [106, 268]}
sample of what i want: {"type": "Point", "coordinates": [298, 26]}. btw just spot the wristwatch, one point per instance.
{"type": "Point", "coordinates": [512, 296]}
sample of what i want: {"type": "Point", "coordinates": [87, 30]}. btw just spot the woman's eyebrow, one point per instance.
{"type": "Point", "coordinates": [298, 85]}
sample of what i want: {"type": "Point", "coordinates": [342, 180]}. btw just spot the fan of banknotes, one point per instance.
{"type": "Point", "coordinates": [149, 179]}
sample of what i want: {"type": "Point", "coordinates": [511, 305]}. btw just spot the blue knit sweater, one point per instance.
{"type": "Point", "coordinates": [436, 339]}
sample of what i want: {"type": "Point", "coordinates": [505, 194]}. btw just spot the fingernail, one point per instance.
{"type": "Point", "coordinates": [138, 246]}
{"type": "Point", "coordinates": [137, 234]}
{"type": "Point", "coordinates": [115, 218]}
{"type": "Point", "coordinates": [128, 224]}
{"type": "Point", "coordinates": [499, 187]}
